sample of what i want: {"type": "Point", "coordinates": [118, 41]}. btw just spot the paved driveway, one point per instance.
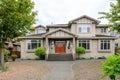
{"type": "Point", "coordinates": [61, 70]}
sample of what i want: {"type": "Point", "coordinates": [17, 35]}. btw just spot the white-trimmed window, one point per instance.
{"type": "Point", "coordinates": [84, 28]}
{"type": "Point", "coordinates": [85, 44]}
{"type": "Point", "coordinates": [33, 44]}
{"type": "Point", "coordinates": [103, 30]}
{"type": "Point", "coordinates": [40, 31]}
{"type": "Point", "coordinates": [104, 44]}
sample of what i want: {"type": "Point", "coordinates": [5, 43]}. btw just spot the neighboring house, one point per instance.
{"type": "Point", "coordinates": [64, 38]}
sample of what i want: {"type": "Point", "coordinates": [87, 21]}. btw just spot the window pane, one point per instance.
{"type": "Point", "coordinates": [34, 45]}
{"type": "Point", "coordinates": [40, 31]}
{"type": "Point", "coordinates": [101, 47]}
{"type": "Point", "coordinates": [29, 46]}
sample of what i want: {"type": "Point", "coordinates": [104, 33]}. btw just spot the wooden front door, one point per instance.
{"type": "Point", "coordinates": [60, 47]}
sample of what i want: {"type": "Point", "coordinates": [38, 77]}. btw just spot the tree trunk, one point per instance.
{"type": "Point", "coordinates": [2, 56]}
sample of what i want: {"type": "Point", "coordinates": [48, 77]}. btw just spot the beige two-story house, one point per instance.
{"type": "Point", "coordinates": [64, 38]}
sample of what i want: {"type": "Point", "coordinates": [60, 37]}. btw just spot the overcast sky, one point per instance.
{"type": "Point", "coordinates": [62, 11]}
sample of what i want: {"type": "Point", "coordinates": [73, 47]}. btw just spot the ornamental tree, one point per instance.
{"type": "Point", "coordinates": [16, 18]}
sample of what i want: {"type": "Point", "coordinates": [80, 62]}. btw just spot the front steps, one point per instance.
{"type": "Point", "coordinates": [60, 57]}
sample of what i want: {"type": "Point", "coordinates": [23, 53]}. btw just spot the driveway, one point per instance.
{"type": "Point", "coordinates": [26, 70]}
{"type": "Point", "coordinates": [62, 70]}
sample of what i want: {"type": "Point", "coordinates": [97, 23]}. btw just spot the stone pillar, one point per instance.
{"type": "Point", "coordinates": [47, 47]}
{"type": "Point", "coordinates": [74, 48]}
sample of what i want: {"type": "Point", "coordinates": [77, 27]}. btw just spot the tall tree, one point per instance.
{"type": "Point", "coordinates": [113, 16]}
{"type": "Point", "coordinates": [16, 18]}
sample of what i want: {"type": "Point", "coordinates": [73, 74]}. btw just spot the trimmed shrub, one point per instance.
{"type": "Point", "coordinates": [80, 50]}
{"type": "Point", "coordinates": [14, 56]}
{"type": "Point", "coordinates": [111, 67]}
{"type": "Point", "coordinates": [6, 53]}
{"type": "Point", "coordinates": [40, 52]}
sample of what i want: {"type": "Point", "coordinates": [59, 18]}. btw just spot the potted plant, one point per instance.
{"type": "Point", "coordinates": [80, 50]}
{"type": "Point", "coordinates": [40, 52]}
{"type": "Point", "coordinates": [14, 56]}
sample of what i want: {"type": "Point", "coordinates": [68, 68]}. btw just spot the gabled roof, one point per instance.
{"type": "Point", "coordinates": [102, 26]}
{"type": "Point", "coordinates": [60, 29]}
{"type": "Point", "coordinates": [40, 26]}
{"type": "Point", "coordinates": [32, 36]}
{"type": "Point", "coordinates": [58, 25]}
{"type": "Point", "coordinates": [85, 16]}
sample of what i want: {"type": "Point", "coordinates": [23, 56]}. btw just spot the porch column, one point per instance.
{"type": "Point", "coordinates": [74, 48]}
{"type": "Point", "coordinates": [47, 47]}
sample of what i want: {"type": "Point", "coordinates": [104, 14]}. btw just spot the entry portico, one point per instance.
{"type": "Point", "coordinates": [60, 41]}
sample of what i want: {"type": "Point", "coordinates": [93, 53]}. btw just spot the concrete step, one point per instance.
{"type": "Point", "coordinates": [60, 57]}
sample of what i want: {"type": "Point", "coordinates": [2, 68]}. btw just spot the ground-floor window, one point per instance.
{"type": "Point", "coordinates": [33, 44]}
{"type": "Point", "coordinates": [104, 44]}
{"type": "Point", "coordinates": [85, 44]}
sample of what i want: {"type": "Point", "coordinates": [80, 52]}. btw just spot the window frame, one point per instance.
{"type": "Point", "coordinates": [84, 27]}
{"type": "Point", "coordinates": [41, 31]}
{"type": "Point", "coordinates": [103, 30]}
{"type": "Point", "coordinates": [30, 42]}
{"type": "Point", "coordinates": [87, 42]}
{"type": "Point", "coordinates": [105, 42]}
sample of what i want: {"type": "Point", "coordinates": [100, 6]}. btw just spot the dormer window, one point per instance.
{"type": "Point", "coordinates": [41, 31]}
{"type": "Point", "coordinates": [84, 28]}
{"type": "Point", "coordinates": [103, 30]}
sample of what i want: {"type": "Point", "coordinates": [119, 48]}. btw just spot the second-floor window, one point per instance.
{"type": "Point", "coordinates": [40, 31]}
{"type": "Point", "coordinates": [103, 30]}
{"type": "Point", "coordinates": [84, 28]}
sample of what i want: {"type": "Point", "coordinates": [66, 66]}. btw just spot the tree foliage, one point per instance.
{"type": "Point", "coordinates": [113, 16]}
{"type": "Point", "coordinates": [111, 67]}
{"type": "Point", "coordinates": [16, 18]}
